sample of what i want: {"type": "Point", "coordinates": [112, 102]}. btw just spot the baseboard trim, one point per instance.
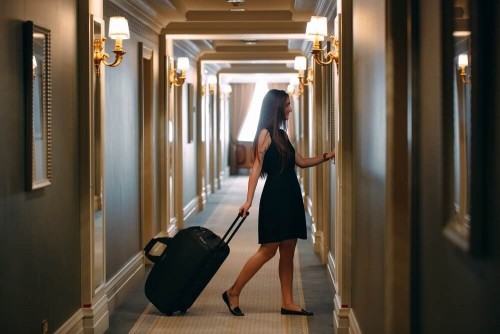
{"type": "Point", "coordinates": [353, 323]}
{"type": "Point", "coordinates": [190, 209]}
{"type": "Point", "coordinates": [124, 281]}
{"type": "Point", "coordinates": [318, 243]}
{"type": "Point", "coordinates": [172, 230]}
{"type": "Point", "coordinates": [73, 325]}
{"type": "Point", "coordinates": [332, 270]}
{"type": "Point", "coordinates": [95, 319]}
{"type": "Point", "coordinates": [340, 316]}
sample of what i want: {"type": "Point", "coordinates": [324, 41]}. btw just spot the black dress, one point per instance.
{"type": "Point", "coordinates": [281, 209]}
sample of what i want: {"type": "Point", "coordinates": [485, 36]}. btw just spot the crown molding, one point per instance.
{"type": "Point", "coordinates": [186, 48]}
{"type": "Point", "coordinates": [142, 18]}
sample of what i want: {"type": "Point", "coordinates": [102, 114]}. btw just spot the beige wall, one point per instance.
{"type": "Point", "coordinates": [369, 160]}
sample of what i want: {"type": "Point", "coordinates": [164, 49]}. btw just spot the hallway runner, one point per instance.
{"type": "Point", "coordinates": [260, 300]}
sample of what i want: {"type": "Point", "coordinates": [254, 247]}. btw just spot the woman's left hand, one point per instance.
{"type": "Point", "coordinates": [330, 155]}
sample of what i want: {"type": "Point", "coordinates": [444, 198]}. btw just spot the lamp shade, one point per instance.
{"type": "Point", "coordinates": [182, 63]}
{"type": "Point", "coordinates": [463, 60]}
{"type": "Point", "coordinates": [300, 63]}
{"type": "Point", "coordinates": [290, 89]}
{"type": "Point", "coordinates": [317, 26]}
{"type": "Point", "coordinates": [309, 32]}
{"type": "Point", "coordinates": [212, 80]}
{"type": "Point", "coordinates": [118, 28]}
{"type": "Point", "coordinates": [294, 81]}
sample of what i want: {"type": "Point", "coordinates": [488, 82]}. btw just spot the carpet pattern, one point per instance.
{"type": "Point", "coordinates": [260, 300]}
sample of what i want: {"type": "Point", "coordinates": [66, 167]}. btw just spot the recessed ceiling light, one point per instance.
{"type": "Point", "coordinates": [236, 2]}
{"type": "Point", "coordinates": [238, 9]}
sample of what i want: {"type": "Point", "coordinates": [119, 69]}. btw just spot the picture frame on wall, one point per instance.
{"type": "Point", "coordinates": [38, 104]}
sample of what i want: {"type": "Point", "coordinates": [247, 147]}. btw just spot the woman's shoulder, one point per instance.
{"type": "Point", "coordinates": [264, 136]}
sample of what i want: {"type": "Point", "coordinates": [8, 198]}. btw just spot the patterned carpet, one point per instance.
{"type": "Point", "coordinates": [261, 298]}
{"type": "Point", "coordinates": [219, 212]}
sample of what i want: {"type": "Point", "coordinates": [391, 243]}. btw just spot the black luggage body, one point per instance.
{"type": "Point", "coordinates": [190, 260]}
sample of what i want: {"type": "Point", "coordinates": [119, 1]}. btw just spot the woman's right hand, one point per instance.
{"type": "Point", "coordinates": [244, 209]}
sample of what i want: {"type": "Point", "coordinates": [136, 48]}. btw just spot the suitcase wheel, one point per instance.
{"type": "Point", "coordinates": [169, 313]}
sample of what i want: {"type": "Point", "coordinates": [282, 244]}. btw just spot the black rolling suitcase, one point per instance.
{"type": "Point", "coordinates": [189, 261]}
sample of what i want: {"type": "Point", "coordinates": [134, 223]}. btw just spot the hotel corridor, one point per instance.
{"type": "Point", "coordinates": [261, 299]}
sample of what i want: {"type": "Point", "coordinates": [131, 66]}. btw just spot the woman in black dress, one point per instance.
{"type": "Point", "coordinates": [281, 210]}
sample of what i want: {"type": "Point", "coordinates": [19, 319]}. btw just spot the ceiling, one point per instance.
{"type": "Point", "coordinates": [235, 36]}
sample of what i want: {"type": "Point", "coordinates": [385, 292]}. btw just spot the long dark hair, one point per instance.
{"type": "Point", "coordinates": [272, 117]}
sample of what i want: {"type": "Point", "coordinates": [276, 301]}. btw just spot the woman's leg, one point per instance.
{"type": "Point", "coordinates": [287, 251]}
{"type": "Point", "coordinates": [265, 253]}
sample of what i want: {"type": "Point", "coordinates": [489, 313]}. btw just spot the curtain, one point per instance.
{"type": "Point", "coordinates": [242, 97]}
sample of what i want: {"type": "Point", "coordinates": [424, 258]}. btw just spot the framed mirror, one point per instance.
{"type": "Point", "coordinates": [38, 106]}
{"type": "Point", "coordinates": [464, 108]}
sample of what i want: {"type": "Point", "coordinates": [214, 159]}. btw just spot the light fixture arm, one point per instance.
{"type": "Point", "coordinates": [100, 56]}
{"type": "Point", "coordinates": [330, 56]}
{"type": "Point", "coordinates": [306, 81]}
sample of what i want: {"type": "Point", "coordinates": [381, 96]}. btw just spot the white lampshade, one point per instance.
{"type": "Point", "coordinates": [290, 89]}
{"type": "Point", "coordinates": [294, 81]}
{"type": "Point", "coordinates": [309, 32]}
{"type": "Point", "coordinates": [118, 28]}
{"type": "Point", "coordinates": [212, 80]}
{"type": "Point", "coordinates": [317, 26]}
{"type": "Point", "coordinates": [227, 89]}
{"type": "Point", "coordinates": [300, 63]}
{"type": "Point", "coordinates": [463, 60]}
{"type": "Point", "coordinates": [182, 63]}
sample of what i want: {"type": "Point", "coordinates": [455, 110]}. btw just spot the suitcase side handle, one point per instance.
{"type": "Point", "coordinates": [228, 233]}
{"type": "Point", "coordinates": [150, 245]}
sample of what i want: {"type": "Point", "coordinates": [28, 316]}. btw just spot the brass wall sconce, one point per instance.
{"type": "Point", "coordinates": [212, 83]}
{"type": "Point", "coordinates": [295, 88]}
{"type": "Point", "coordinates": [317, 29]}
{"type": "Point", "coordinates": [176, 78]}
{"type": "Point", "coordinates": [463, 64]}
{"type": "Point", "coordinates": [300, 65]}
{"type": "Point", "coordinates": [118, 30]}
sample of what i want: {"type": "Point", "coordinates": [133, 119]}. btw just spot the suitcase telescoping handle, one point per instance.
{"type": "Point", "coordinates": [235, 223]}
{"type": "Point", "coordinates": [151, 243]}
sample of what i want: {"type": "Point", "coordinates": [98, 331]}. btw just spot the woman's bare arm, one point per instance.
{"type": "Point", "coordinates": [314, 161]}
{"type": "Point", "coordinates": [263, 145]}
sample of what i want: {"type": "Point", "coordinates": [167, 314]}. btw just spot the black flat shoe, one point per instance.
{"type": "Point", "coordinates": [284, 311]}
{"type": "Point", "coordinates": [234, 311]}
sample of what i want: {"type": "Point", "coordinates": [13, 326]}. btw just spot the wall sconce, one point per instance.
{"type": "Point", "coordinates": [317, 29]}
{"type": "Point", "coordinates": [463, 63]}
{"type": "Point", "coordinates": [301, 65]}
{"type": "Point", "coordinates": [118, 30]}
{"type": "Point", "coordinates": [212, 83]}
{"type": "Point", "coordinates": [295, 88]}
{"type": "Point", "coordinates": [226, 90]}
{"type": "Point", "coordinates": [175, 78]}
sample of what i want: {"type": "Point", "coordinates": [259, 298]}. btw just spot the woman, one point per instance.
{"type": "Point", "coordinates": [281, 210]}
